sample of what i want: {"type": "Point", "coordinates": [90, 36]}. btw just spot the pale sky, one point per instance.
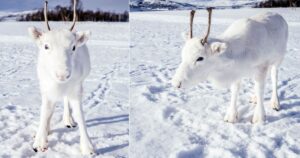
{"type": "Point", "coordinates": [105, 5]}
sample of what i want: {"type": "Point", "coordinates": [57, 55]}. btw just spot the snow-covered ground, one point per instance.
{"type": "Point", "coordinates": [189, 4]}
{"type": "Point", "coordinates": [201, 3]}
{"type": "Point", "coordinates": [105, 102]}
{"type": "Point", "coordinates": [13, 16]}
{"type": "Point", "coordinates": [165, 122]}
{"type": "Point", "coordinates": [218, 3]}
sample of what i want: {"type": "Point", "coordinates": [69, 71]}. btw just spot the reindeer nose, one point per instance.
{"type": "Point", "coordinates": [63, 75]}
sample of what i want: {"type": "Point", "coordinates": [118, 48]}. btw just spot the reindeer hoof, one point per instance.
{"type": "Point", "coordinates": [44, 149]}
{"type": "Point", "coordinates": [87, 150]}
{"type": "Point", "coordinates": [69, 123]}
{"type": "Point", "coordinates": [71, 126]}
{"type": "Point", "coordinates": [275, 104]}
{"type": "Point", "coordinates": [258, 119]}
{"type": "Point", "coordinates": [231, 117]}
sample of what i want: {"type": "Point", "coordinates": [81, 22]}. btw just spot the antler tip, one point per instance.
{"type": "Point", "coordinates": [191, 23]}
{"type": "Point", "coordinates": [204, 40]}
{"type": "Point", "coordinates": [45, 15]}
{"type": "Point", "coordinates": [74, 15]}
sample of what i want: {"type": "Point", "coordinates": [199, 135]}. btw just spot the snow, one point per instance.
{"type": "Point", "coordinates": [166, 122]}
{"type": "Point", "coordinates": [189, 4]}
{"type": "Point", "coordinates": [203, 2]}
{"type": "Point", "coordinates": [215, 3]}
{"type": "Point", "coordinates": [105, 101]}
{"type": "Point", "coordinates": [14, 16]}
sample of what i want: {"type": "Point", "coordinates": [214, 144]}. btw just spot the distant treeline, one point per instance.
{"type": "Point", "coordinates": [278, 3]}
{"type": "Point", "coordinates": [66, 14]}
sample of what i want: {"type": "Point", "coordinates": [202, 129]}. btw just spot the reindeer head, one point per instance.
{"type": "Point", "coordinates": [199, 57]}
{"type": "Point", "coordinates": [58, 47]}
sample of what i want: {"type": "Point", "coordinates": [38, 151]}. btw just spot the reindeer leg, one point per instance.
{"type": "Point", "coordinates": [231, 115]}
{"type": "Point", "coordinates": [274, 100]}
{"type": "Point", "coordinates": [85, 142]}
{"type": "Point", "coordinates": [68, 119]}
{"type": "Point", "coordinates": [259, 111]}
{"type": "Point", "coordinates": [40, 140]}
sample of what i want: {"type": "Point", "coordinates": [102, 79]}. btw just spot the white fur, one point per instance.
{"type": "Point", "coordinates": [61, 72]}
{"type": "Point", "coordinates": [248, 48]}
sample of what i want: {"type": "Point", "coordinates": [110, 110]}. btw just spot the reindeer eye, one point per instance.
{"type": "Point", "coordinates": [46, 47]}
{"type": "Point", "coordinates": [73, 49]}
{"type": "Point", "coordinates": [200, 59]}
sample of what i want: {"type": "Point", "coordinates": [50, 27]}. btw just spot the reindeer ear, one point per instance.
{"type": "Point", "coordinates": [82, 37]}
{"type": "Point", "coordinates": [185, 36]}
{"type": "Point", "coordinates": [34, 33]}
{"type": "Point", "coordinates": [218, 47]}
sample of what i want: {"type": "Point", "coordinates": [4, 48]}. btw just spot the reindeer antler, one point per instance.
{"type": "Point", "coordinates": [45, 15]}
{"type": "Point", "coordinates": [191, 22]}
{"type": "Point", "coordinates": [204, 40]}
{"type": "Point", "coordinates": [74, 15]}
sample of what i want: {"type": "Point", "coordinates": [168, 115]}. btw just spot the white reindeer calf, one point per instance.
{"type": "Point", "coordinates": [63, 64]}
{"type": "Point", "coordinates": [248, 48]}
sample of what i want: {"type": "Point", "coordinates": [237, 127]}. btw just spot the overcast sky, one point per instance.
{"type": "Point", "coordinates": [106, 5]}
